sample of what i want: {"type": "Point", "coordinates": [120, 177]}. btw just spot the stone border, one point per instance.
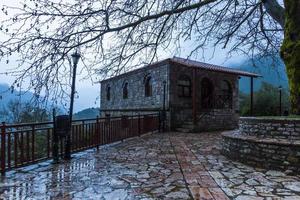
{"type": "Point", "coordinates": [265, 153]}
{"type": "Point", "coordinates": [270, 128]}
{"type": "Point", "coordinates": [270, 119]}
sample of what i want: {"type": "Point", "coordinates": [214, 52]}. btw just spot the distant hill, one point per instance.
{"type": "Point", "coordinates": [7, 95]}
{"type": "Point", "coordinates": [87, 113]}
{"type": "Point", "coordinates": [273, 73]}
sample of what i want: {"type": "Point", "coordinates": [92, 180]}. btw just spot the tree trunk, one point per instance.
{"type": "Point", "coordinates": [290, 51]}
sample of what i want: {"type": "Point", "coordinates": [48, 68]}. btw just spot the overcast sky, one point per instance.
{"type": "Point", "coordinates": [88, 93]}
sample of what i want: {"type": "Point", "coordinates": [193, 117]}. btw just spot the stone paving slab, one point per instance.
{"type": "Point", "coordinates": [156, 166]}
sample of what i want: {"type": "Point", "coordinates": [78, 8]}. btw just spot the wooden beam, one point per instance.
{"type": "Point", "coordinates": [251, 96]}
{"type": "Point", "coordinates": [194, 104]}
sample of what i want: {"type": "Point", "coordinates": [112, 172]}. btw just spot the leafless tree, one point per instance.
{"type": "Point", "coordinates": [114, 36]}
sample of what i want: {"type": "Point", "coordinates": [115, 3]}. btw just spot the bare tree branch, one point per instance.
{"type": "Point", "coordinates": [116, 36]}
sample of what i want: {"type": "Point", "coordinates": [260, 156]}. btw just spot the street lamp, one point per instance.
{"type": "Point", "coordinates": [280, 94]}
{"type": "Point", "coordinates": [164, 105]}
{"type": "Point", "coordinates": [75, 59]}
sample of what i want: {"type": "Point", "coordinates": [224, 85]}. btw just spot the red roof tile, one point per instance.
{"type": "Point", "coordinates": [211, 67]}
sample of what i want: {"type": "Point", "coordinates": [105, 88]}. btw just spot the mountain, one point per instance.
{"type": "Point", "coordinates": [7, 94]}
{"type": "Point", "coordinates": [88, 113]}
{"type": "Point", "coordinates": [272, 70]}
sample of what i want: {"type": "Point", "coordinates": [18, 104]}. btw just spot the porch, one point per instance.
{"type": "Point", "coordinates": [206, 100]}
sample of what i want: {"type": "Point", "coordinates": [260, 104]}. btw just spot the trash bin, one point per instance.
{"type": "Point", "coordinates": [62, 125]}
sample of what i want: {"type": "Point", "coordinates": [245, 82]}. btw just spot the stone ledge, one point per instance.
{"type": "Point", "coordinates": [279, 154]}
{"type": "Point", "coordinates": [235, 134]}
{"type": "Point", "coordinates": [270, 119]}
{"type": "Point", "coordinates": [279, 129]}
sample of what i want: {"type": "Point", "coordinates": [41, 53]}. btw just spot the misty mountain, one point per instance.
{"type": "Point", "coordinates": [7, 94]}
{"type": "Point", "coordinates": [273, 73]}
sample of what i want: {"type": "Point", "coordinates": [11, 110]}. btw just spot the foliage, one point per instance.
{"type": "Point", "coordinates": [88, 113]}
{"type": "Point", "coordinates": [266, 101]}
{"type": "Point", "coordinates": [290, 51]}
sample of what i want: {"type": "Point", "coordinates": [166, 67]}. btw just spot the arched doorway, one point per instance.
{"type": "Point", "coordinates": [207, 91]}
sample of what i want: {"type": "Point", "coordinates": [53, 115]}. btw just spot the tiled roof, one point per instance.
{"type": "Point", "coordinates": [211, 67]}
{"type": "Point", "coordinates": [191, 63]}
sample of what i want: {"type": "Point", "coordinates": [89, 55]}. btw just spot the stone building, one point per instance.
{"type": "Point", "coordinates": [197, 96]}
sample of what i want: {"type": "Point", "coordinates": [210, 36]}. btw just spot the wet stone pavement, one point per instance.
{"type": "Point", "coordinates": [155, 166]}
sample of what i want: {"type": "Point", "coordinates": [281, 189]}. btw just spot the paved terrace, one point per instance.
{"type": "Point", "coordinates": [156, 166]}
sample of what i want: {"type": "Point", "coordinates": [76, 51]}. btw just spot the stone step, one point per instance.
{"type": "Point", "coordinates": [183, 130]}
{"type": "Point", "coordinates": [188, 126]}
{"type": "Point", "coordinates": [188, 122]}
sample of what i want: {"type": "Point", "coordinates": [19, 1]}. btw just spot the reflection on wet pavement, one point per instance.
{"type": "Point", "coordinates": [156, 166]}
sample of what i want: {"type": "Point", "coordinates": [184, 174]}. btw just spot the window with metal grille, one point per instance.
{"type": "Point", "coordinates": [125, 91]}
{"type": "Point", "coordinates": [148, 86]}
{"type": "Point", "coordinates": [108, 93]}
{"type": "Point", "coordinates": [184, 86]}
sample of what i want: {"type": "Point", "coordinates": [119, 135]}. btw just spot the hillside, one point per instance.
{"type": "Point", "coordinates": [273, 73]}
{"type": "Point", "coordinates": [87, 113]}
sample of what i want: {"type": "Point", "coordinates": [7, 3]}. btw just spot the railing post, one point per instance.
{"type": "Point", "coordinates": [97, 132]}
{"type": "Point", "coordinates": [158, 117]}
{"type": "Point", "coordinates": [54, 140]}
{"type": "Point", "coordinates": [139, 124]}
{"type": "Point", "coordinates": [159, 121]}
{"type": "Point", "coordinates": [3, 152]}
{"type": "Point", "coordinates": [33, 145]}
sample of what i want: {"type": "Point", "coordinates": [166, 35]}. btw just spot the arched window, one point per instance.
{"type": "Point", "coordinates": [108, 93]}
{"type": "Point", "coordinates": [148, 86]}
{"type": "Point", "coordinates": [184, 86]}
{"type": "Point", "coordinates": [207, 90]}
{"type": "Point", "coordinates": [226, 94]}
{"type": "Point", "coordinates": [125, 91]}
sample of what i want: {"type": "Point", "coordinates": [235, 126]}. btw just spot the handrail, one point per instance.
{"type": "Point", "coordinates": [77, 120]}
{"type": "Point", "coordinates": [133, 110]}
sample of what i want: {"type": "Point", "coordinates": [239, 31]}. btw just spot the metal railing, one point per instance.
{"type": "Point", "coordinates": [24, 144]}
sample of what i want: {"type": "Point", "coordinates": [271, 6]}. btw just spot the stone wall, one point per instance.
{"type": "Point", "coordinates": [264, 153]}
{"type": "Point", "coordinates": [217, 119]}
{"type": "Point", "coordinates": [136, 103]}
{"type": "Point", "coordinates": [270, 128]}
{"type": "Point", "coordinates": [136, 93]}
{"type": "Point", "coordinates": [266, 143]}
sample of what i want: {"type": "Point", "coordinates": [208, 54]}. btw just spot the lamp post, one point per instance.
{"type": "Point", "coordinates": [75, 59]}
{"type": "Point", "coordinates": [280, 94]}
{"type": "Point", "coordinates": [164, 105]}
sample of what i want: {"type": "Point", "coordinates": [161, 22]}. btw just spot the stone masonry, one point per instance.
{"type": "Point", "coordinates": [136, 94]}
{"type": "Point", "coordinates": [270, 128]}
{"type": "Point", "coordinates": [267, 143]}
